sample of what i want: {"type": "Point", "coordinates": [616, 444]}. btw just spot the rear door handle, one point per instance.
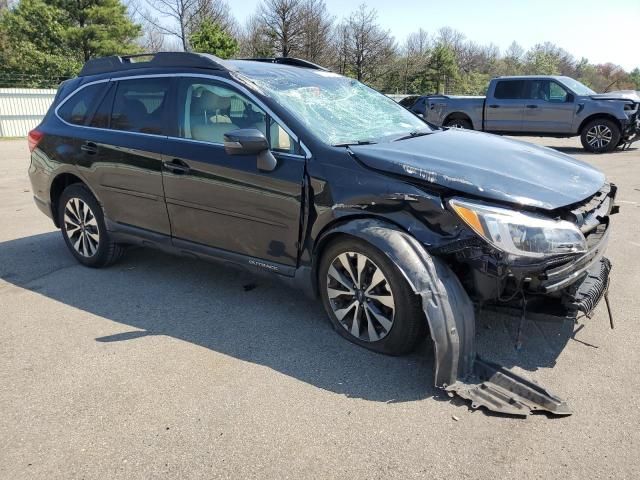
{"type": "Point", "coordinates": [531, 106]}
{"type": "Point", "coordinates": [177, 166]}
{"type": "Point", "coordinates": [494, 106]}
{"type": "Point", "coordinates": [89, 147]}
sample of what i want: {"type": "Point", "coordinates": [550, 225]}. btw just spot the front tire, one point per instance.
{"type": "Point", "coordinates": [368, 300]}
{"type": "Point", "coordinates": [82, 223]}
{"type": "Point", "coordinates": [600, 135]}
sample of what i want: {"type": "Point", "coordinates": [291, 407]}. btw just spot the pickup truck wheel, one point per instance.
{"type": "Point", "coordinates": [368, 300]}
{"type": "Point", "coordinates": [85, 233]}
{"type": "Point", "coordinates": [457, 122]}
{"type": "Point", "coordinates": [600, 135]}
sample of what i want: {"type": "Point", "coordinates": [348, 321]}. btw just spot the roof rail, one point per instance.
{"type": "Point", "coordinates": [294, 62]}
{"type": "Point", "coordinates": [160, 59]}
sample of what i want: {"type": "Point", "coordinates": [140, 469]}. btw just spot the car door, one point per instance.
{"type": "Point", "coordinates": [504, 106]}
{"type": "Point", "coordinates": [222, 201]}
{"type": "Point", "coordinates": [549, 107]}
{"type": "Point", "coordinates": [122, 153]}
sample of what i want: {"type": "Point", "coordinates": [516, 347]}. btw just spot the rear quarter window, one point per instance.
{"type": "Point", "coordinates": [78, 108]}
{"type": "Point", "coordinates": [509, 89]}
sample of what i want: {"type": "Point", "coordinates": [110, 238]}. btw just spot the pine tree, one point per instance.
{"type": "Point", "coordinates": [209, 37]}
{"type": "Point", "coordinates": [43, 41]}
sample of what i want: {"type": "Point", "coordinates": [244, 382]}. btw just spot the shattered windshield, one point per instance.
{"type": "Point", "coordinates": [340, 110]}
{"type": "Point", "coordinates": [577, 87]}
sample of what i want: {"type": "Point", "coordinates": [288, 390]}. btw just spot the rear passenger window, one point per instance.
{"type": "Point", "coordinates": [510, 89]}
{"type": "Point", "coordinates": [140, 104]}
{"type": "Point", "coordinates": [77, 109]}
{"type": "Point", "coordinates": [103, 113]}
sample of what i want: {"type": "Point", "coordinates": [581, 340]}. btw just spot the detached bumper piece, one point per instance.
{"type": "Point", "coordinates": [500, 390]}
{"type": "Point", "coordinates": [588, 293]}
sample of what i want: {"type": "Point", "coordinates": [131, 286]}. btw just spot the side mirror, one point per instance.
{"type": "Point", "coordinates": [250, 141]}
{"type": "Point", "coordinates": [570, 98]}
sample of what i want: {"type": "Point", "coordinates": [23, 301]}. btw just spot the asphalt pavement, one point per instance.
{"type": "Point", "coordinates": [166, 367]}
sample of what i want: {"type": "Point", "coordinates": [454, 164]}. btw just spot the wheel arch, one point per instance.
{"type": "Point", "coordinates": [349, 226]}
{"type": "Point", "coordinates": [58, 185]}
{"type": "Point", "coordinates": [596, 116]}
{"type": "Point", "coordinates": [460, 115]}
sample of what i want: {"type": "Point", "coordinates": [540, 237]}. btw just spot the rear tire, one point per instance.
{"type": "Point", "coordinates": [458, 122]}
{"type": "Point", "coordinates": [81, 220]}
{"type": "Point", "coordinates": [381, 312]}
{"type": "Point", "coordinates": [600, 135]}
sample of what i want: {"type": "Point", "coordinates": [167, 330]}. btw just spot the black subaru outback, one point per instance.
{"type": "Point", "coordinates": [400, 227]}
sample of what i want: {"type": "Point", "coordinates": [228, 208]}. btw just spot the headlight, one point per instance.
{"type": "Point", "coordinates": [520, 233]}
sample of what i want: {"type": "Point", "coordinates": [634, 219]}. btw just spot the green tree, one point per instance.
{"type": "Point", "coordinates": [443, 65]}
{"type": "Point", "coordinates": [98, 28]}
{"type": "Point", "coordinates": [634, 77]}
{"type": "Point", "coordinates": [43, 41]}
{"type": "Point", "coordinates": [209, 37]}
{"type": "Point", "coordinates": [34, 51]}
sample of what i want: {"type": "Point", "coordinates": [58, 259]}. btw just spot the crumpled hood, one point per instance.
{"type": "Point", "coordinates": [487, 166]}
{"type": "Point", "coordinates": [621, 95]}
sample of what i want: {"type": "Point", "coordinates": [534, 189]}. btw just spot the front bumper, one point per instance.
{"type": "Point", "coordinates": [566, 275]}
{"type": "Point", "coordinates": [631, 132]}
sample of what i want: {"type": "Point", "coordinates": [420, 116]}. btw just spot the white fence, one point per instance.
{"type": "Point", "coordinates": [21, 109]}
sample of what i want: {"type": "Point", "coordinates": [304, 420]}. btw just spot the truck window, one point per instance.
{"type": "Point", "coordinates": [557, 93]}
{"type": "Point", "coordinates": [509, 89]}
{"type": "Point", "coordinates": [546, 90]}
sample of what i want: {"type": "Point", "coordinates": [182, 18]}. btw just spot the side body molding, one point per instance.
{"type": "Point", "coordinates": [450, 315]}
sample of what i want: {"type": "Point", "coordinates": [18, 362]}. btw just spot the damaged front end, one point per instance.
{"type": "Point", "coordinates": [467, 272]}
{"type": "Point", "coordinates": [565, 286]}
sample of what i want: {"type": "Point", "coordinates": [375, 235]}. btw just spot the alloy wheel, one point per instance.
{"type": "Point", "coordinates": [81, 227]}
{"type": "Point", "coordinates": [599, 136]}
{"type": "Point", "coordinates": [360, 296]}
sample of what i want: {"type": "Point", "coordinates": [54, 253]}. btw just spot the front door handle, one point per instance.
{"type": "Point", "coordinates": [494, 106]}
{"type": "Point", "coordinates": [531, 106]}
{"type": "Point", "coordinates": [177, 166]}
{"type": "Point", "coordinates": [89, 147]}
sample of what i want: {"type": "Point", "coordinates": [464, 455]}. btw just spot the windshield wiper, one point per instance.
{"type": "Point", "coordinates": [356, 142]}
{"type": "Point", "coordinates": [415, 133]}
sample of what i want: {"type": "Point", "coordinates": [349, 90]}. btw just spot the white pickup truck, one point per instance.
{"type": "Point", "coordinates": [552, 106]}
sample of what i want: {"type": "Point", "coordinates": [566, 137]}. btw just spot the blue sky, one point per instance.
{"type": "Point", "coordinates": [601, 31]}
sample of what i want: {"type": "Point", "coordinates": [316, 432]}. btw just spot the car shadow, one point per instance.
{"type": "Point", "coordinates": [582, 151]}
{"type": "Point", "coordinates": [255, 320]}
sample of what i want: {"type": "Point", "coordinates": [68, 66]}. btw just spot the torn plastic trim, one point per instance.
{"type": "Point", "coordinates": [451, 319]}
{"type": "Point", "coordinates": [501, 390]}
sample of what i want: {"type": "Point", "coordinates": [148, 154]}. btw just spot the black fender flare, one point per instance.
{"type": "Point", "coordinates": [447, 307]}
{"type": "Point", "coordinates": [450, 315]}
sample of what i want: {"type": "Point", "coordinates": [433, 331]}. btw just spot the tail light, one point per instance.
{"type": "Point", "coordinates": [34, 138]}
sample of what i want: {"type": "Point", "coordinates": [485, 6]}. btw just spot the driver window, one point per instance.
{"type": "Point", "coordinates": [557, 93]}
{"type": "Point", "coordinates": [207, 111]}
{"type": "Point", "coordinates": [539, 90]}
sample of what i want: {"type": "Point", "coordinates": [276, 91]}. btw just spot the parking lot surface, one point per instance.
{"type": "Point", "coordinates": [166, 367]}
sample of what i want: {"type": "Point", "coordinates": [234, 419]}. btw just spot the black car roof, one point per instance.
{"type": "Point", "coordinates": [135, 64]}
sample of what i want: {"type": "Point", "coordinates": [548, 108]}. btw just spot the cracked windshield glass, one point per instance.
{"type": "Point", "coordinates": [341, 110]}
